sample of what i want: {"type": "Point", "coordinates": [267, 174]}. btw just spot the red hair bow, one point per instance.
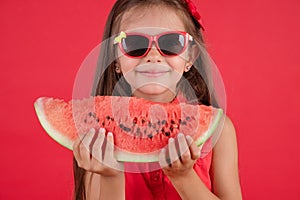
{"type": "Point", "coordinates": [194, 12]}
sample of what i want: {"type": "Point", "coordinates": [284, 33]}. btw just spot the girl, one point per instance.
{"type": "Point", "coordinates": [170, 45]}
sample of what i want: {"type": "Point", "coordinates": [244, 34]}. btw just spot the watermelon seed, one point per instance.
{"type": "Point", "coordinates": [183, 122]}
{"type": "Point", "coordinates": [143, 121]}
{"type": "Point", "coordinates": [135, 120]}
{"type": "Point", "coordinates": [188, 118]}
{"type": "Point", "coordinates": [121, 126]}
{"type": "Point", "coordinates": [108, 117]}
{"type": "Point", "coordinates": [158, 123]}
{"type": "Point", "coordinates": [171, 128]}
{"type": "Point", "coordinates": [150, 136]}
{"type": "Point", "coordinates": [167, 133]}
{"type": "Point", "coordinates": [163, 122]}
{"type": "Point", "coordinates": [90, 114]}
{"type": "Point", "coordinates": [97, 119]}
{"type": "Point", "coordinates": [127, 129]}
{"type": "Point", "coordinates": [172, 121]}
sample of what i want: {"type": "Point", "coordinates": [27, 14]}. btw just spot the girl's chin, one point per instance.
{"type": "Point", "coordinates": [152, 91]}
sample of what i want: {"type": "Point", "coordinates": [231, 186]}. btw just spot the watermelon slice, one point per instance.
{"type": "Point", "coordinates": [141, 128]}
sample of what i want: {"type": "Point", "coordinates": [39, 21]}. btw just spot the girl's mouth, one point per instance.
{"type": "Point", "coordinates": [152, 70]}
{"type": "Point", "coordinates": [152, 73]}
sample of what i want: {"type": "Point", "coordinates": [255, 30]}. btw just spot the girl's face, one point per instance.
{"type": "Point", "coordinates": [154, 76]}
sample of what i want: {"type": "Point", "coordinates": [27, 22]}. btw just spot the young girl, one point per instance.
{"type": "Point", "coordinates": [171, 45]}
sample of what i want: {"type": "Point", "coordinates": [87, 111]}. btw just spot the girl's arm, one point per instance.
{"type": "Point", "coordinates": [225, 178]}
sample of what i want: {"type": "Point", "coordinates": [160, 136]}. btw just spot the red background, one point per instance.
{"type": "Point", "coordinates": [254, 43]}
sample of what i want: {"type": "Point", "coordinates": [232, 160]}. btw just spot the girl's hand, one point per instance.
{"type": "Point", "coordinates": [95, 153]}
{"type": "Point", "coordinates": [179, 159]}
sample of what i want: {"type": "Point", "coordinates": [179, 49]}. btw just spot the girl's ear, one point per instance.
{"type": "Point", "coordinates": [193, 54]}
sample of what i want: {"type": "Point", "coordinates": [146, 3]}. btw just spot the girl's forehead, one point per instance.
{"type": "Point", "coordinates": [152, 20]}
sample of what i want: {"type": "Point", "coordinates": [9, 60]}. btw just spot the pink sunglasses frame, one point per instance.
{"type": "Point", "coordinates": [119, 38]}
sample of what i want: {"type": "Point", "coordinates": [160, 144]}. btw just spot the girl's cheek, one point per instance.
{"type": "Point", "coordinates": [128, 64]}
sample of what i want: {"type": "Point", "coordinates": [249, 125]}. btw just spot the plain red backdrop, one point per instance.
{"type": "Point", "coordinates": [254, 43]}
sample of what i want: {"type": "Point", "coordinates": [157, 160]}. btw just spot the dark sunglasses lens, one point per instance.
{"type": "Point", "coordinates": [135, 45]}
{"type": "Point", "coordinates": [171, 44]}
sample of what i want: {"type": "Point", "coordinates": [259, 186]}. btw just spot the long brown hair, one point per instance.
{"type": "Point", "coordinates": [108, 82]}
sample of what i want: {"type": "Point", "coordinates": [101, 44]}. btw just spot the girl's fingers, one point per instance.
{"type": "Point", "coordinates": [184, 150]}
{"type": "Point", "coordinates": [194, 149]}
{"type": "Point", "coordinates": [97, 146]}
{"type": "Point", "coordinates": [109, 149]}
{"type": "Point", "coordinates": [173, 154]}
{"type": "Point", "coordinates": [85, 147]}
{"type": "Point", "coordinates": [162, 159]}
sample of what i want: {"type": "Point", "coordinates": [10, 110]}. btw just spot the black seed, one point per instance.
{"type": "Point", "coordinates": [103, 123]}
{"type": "Point", "coordinates": [97, 119]}
{"type": "Point", "coordinates": [188, 118]}
{"type": "Point", "coordinates": [108, 117]}
{"type": "Point", "coordinates": [90, 114]}
{"type": "Point", "coordinates": [183, 122]}
{"type": "Point", "coordinates": [127, 129]}
{"type": "Point", "coordinates": [172, 121]}
{"type": "Point", "coordinates": [121, 126]}
{"type": "Point", "coordinates": [158, 123]}
{"type": "Point", "coordinates": [150, 136]}
{"type": "Point", "coordinates": [143, 121]}
{"type": "Point", "coordinates": [179, 121]}
{"type": "Point", "coordinates": [163, 130]}
{"type": "Point", "coordinates": [163, 122]}
{"type": "Point", "coordinates": [135, 120]}
{"type": "Point", "coordinates": [171, 128]}
{"type": "Point", "coordinates": [153, 126]}
{"type": "Point", "coordinates": [167, 133]}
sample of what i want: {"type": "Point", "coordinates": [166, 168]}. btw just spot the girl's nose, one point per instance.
{"type": "Point", "coordinates": [153, 55]}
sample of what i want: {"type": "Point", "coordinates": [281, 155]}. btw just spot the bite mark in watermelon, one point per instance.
{"type": "Point", "coordinates": [141, 128]}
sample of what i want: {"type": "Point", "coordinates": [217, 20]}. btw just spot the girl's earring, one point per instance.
{"type": "Point", "coordinates": [187, 68]}
{"type": "Point", "coordinates": [118, 70]}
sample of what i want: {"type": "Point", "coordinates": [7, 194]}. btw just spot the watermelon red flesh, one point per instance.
{"type": "Point", "coordinates": [140, 127]}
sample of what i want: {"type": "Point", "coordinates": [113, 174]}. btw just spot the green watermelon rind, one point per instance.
{"type": "Point", "coordinates": [123, 156]}
{"type": "Point", "coordinates": [212, 127]}
{"type": "Point", "coordinates": [52, 132]}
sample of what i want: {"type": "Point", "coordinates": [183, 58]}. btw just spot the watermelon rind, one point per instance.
{"type": "Point", "coordinates": [216, 117]}
{"type": "Point", "coordinates": [52, 132]}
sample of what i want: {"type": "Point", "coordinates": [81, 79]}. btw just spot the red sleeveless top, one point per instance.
{"type": "Point", "coordinates": [156, 186]}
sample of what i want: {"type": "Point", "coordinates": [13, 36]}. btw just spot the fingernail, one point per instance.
{"type": "Point", "coordinates": [109, 134]}
{"type": "Point", "coordinates": [102, 130]}
{"type": "Point", "coordinates": [92, 130]}
{"type": "Point", "coordinates": [180, 135]}
{"type": "Point", "coordinates": [171, 140]}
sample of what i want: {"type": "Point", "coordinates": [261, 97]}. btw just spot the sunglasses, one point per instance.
{"type": "Point", "coordinates": [138, 45]}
